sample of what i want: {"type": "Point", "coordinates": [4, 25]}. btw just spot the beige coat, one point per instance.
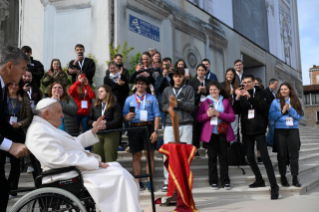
{"type": "Point", "coordinates": [55, 148]}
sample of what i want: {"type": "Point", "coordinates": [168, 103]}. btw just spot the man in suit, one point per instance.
{"type": "Point", "coordinates": [81, 64]}
{"type": "Point", "coordinates": [13, 63]}
{"type": "Point", "coordinates": [209, 75]}
{"type": "Point", "coordinates": [239, 67]}
{"type": "Point", "coordinates": [270, 96]}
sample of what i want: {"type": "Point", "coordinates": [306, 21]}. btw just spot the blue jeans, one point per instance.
{"type": "Point", "coordinates": [270, 133]}
{"type": "Point", "coordinates": [83, 121]}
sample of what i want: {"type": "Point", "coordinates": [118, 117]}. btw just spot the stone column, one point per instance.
{"type": "Point", "coordinates": [4, 14]}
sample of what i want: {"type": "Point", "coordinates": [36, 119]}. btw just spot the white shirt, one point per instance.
{"type": "Point", "coordinates": [6, 143]}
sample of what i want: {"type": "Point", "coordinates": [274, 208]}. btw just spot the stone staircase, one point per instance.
{"type": "Point", "coordinates": [308, 174]}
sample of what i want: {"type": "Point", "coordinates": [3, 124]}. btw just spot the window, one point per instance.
{"type": "Point", "coordinates": [317, 117]}
{"type": "Point", "coordinates": [307, 99]}
{"type": "Point", "coordinates": [317, 79]}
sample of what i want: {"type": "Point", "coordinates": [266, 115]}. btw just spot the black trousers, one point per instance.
{"type": "Point", "coordinates": [4, 192]}
{"type": "Point", "coordinates": [197, 128]}
{"type": "Point", "coordinates": [288, 139]}
{"type": "Point", "coordinates": [249, 141]}
{"type": "Point", "coordinates": [14, 175]}
{"type": "Point", "coordinates": [217, 146]}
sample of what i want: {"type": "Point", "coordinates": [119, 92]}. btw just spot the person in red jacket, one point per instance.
{"type": "Point", "coordinates": [82, 94]}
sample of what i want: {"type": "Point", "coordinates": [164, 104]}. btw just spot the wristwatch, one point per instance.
{"type": "Point", "coordinates": [156, 131]}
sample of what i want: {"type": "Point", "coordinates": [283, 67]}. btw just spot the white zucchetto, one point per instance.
{"type": "Point", "coordinates": [45, 103]}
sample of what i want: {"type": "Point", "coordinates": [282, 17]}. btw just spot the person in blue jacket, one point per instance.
{"type": "Point", "coordinates": [286, 112]}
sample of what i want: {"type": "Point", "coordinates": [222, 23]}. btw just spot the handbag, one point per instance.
{"type": "Point", "coordinates": [222, 127]}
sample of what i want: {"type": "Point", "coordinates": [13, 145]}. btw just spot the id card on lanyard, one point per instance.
{"type": "Point", "coordinates": [103, 111]}
{"type": "Point", "coordinates": [203, 97]}
{"type": "Point", "coordinates": [143, 112]}
{"type": "Point", "coordinates": [177, 94]}
{"type": "Point", "coordinates": [13, 118]}
{"type": "Point", "coordinates": [81, 64]}
{"type": "Point", "coordinates": [289, 121]}
{"type": "Point", "coordinates": [84, 103]}
{"type": "Point", "coordinates": [251, 112]}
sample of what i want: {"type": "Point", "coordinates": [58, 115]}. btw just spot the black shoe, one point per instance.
{"type": "Point", "coordinates": [257, 184]}
{"type": "Point", "coordinates": [284, 181]}
{"type": "Point", "coordinates": [274, 192]}
{"type": "Point", "coordinates": [142, 188]}
{"type": "Point", "coordinates": [214, 186]}
{"type": "Point", "coordinates": [295, 181]}
{"type": "Point", "coordinates": [259, 160]}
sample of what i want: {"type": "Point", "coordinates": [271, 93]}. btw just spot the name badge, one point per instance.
{"type": "Point", "coordinates": [143, 115]}
{"type": "Point", "coordinates": [13, 119]}
{"type": "Point", "coordinates": [289, 121]}
{"type": "Point", "coordinates": [202, 98]}
{"type": "Point", "coordinates": [84, 104]}
{"type": "Point", "coordinates": [214, 121]}
{"type": "Point", "coordinates": [251, 114]}
{"type": "Point", "coordinates": [32, 104]}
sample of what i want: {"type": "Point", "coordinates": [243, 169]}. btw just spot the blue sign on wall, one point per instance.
{"type": "Point", "coordinates": [144, 28]}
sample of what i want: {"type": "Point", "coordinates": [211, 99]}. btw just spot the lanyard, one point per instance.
{"type": "Point", "coordinates": [103, 110]}
{"type": "Point", "coordinates": [139, 100]}
{"type": "Point", "coordinates": [208, 77]}
{"type": "Point", "coordinates": [14, 112]}
{"type": "Point", "coordinates": [176, 95]}
{"type": "Point", "coordinates": [253, 97]}
{"type": "Point", "coordinates": [85, 92]}
{"type": "Point", "coordinates": [30, 93]}
{"type": "Point", "coordinates": [81, 65]}
{"type": "Point", "coordinates": [203, 81]}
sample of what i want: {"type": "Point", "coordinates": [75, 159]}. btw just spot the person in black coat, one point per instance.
{"type": "Point", "coordinates": [81, 64]}
{"type": "Point", "coordinates": [107, 106]}
{"type": "Point", "coordinates": [239, 67]}
{"type": "Point", "coordinates": [270, 96]}
{"type": "Point", "coordinates": [118, 82]}
{"type": "Point", "coordinates": [251, 104]}
{"type": "Point", "coordinates": [35, 67]}
{"type": "Point", "coordinates": [201, 90]}
{"type": "Point", "coordinates": [13, 64]}
{"type": "Point", "coordinates": [118, 59]}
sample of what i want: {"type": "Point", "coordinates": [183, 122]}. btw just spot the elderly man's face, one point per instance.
{"type": "Point", "coordinates": [55, 114]}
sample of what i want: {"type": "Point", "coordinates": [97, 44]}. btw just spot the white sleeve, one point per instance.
{"type": "Point", "coordinates": [6, 144]}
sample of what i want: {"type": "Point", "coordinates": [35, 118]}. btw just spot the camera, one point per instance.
{"type": "Point", "coordinates": [80, 53]}
{"type": "Point", "coordinates": [28, 83]}
{"type": "Point", "coordinates": [211, 106]}
{"type": "Point", "coordinates": [241, 87]}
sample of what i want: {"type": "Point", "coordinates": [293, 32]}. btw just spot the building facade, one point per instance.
{"type": "Point", "coordinates": [311, 102]}
{"type": "Point", "coordinates": [314, 75]}
{"type": "Point", "coordinates": [263, 33]}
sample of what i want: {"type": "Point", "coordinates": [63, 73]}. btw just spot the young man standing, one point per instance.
{"type": "Point", "coordinates": [184, 106]}
{"type": "Point", "coordinates": [142, 109]}
{"type": "Point", "coordinates": [270, 96]}
{"type": "Point", "coordinates": [209, 75]}
{"type": "Point", "coordinates": [251, 104]}
{"type": "Point", "coordinates": [239, 67]}
{"type": "Point", "coordinates": [81, 64]}
{"type": "Point", "coordinates": [35, 67]}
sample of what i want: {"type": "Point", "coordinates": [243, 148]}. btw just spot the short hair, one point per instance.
{"type": "Point", "coordinates": [236, 61]}
{"type": "Point", "coordinates": [166, 59]}
{"type": "Point", "coordinates": [141, 79]}
{"type": "Point", "coordinates": [203, 66]}
{"type": "Point", "coordinates": [259, 80]}
{"type": "Point", "coordinates": [147, 54]}
{"type": "Point", "coordinates": [206, 60]}
{"type": "Point", "coordinates": [178, 71]}
{"type": "Point", "coordinates": [26, 49]}
{"type": "Point", "coordinates": [112, 63]}
{"type": "Point", "coordinates": [118, 55]}
{"type": "Point", "coordinates": [273, 80]}
{"type": "Point", "coordinates": [249, 76]}
{"type": "Point", "coordinates": [152, 49]}
{"type": "Point", "coordinates": [79, 46]}
{"type": "Point", "coordinates": [12, 54]}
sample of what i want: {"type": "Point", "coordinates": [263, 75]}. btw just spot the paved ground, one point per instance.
{"type": "Point", "coordinates": [308, 202]}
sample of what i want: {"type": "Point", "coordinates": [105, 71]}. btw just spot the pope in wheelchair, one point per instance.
{"type": "Point", "coordinates": [111, 186]}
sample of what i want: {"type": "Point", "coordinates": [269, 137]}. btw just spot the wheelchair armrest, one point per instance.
{"type": "Point", "coordinates": [38, 180]}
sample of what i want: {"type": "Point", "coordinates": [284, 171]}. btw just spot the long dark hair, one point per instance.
{"type": "Point", "coordinates": [20, 91]}
{"type": "Point", "coordinates": [65, 96]}
{"type": "Point", "coordinates": [185, 66]}
{"type": "Point", "coordinates": [294, 101]}
{"type": "Point", "coordinates": [234, 83]}
{"type": "Point", "coordinates": [110, 99]}
{"type": "Point", "coordinates": [33, 84]}
{"type": "Point", "coordinates": [219, 87]}
{"type": "Point", "coordinates": [203, 66]}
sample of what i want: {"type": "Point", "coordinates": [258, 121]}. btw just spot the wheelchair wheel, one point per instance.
{"type": "Point", "coordinates": [49, 199]}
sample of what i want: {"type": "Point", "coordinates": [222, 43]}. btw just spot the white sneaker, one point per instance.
{"type": "Point", "coordinates": [227, 187]}
{"type": "Point", "coordinates": [7, 160]}
{"type": "Point", "coordinates": [30, 169]}
{"type": "Point", "coordinates": [288, 168]}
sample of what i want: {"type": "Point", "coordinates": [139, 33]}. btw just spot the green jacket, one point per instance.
{"type": "Point", "coordinates": [47, 81]}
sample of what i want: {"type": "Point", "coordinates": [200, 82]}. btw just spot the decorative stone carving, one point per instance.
{"type": "Point", "coordinates": [270, 7]}
{"type": "Point", "coordinates": [285, 34]}
{"type": "Point", "coordinates": [67, 4]}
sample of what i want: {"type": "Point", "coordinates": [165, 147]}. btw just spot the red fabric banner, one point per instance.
{"type": "Point", "coordinates": [177, 161]}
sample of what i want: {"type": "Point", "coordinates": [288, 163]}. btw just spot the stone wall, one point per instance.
{"type": "Point", "coordinates": [4, 14]}
{"type": "Point", "coordinates": [311, 115]}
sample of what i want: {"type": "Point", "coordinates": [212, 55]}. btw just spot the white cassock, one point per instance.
{"type": "Point", "coordinates": [113, 189]}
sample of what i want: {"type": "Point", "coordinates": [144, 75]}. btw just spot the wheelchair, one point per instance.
{"type": "Point", "coordinates": [60, 196]}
